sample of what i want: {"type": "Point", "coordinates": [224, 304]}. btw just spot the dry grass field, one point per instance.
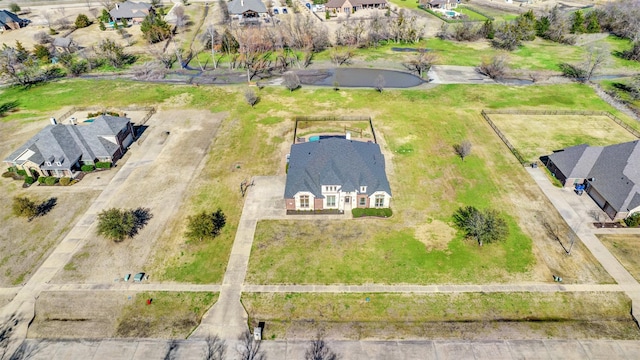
{"type": "Point", "coordinates": [164, 162]}
{"type": "Point", "coordinates": [626, 248]}
{"type": "Point", "coordinates": [537, 135]}
{"type": "Point", "coordinates": [108, 314]}
{"type": "Point", "coordinates": [468, 316]}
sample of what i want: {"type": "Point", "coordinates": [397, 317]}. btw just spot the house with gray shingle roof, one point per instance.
{"type": "Point", "coordinates": [60, 149]}
{"type": "Point", "coordinates": [133, 12]}
{"type": "Point", "coordinates": [11, 21]}
{"type": "Point", "coordinates": [246, 9]}
{"type": "Point", "coordinates": [336, 173]}
{"type": "Point", "coordinates": [611, 174]}
{"type": "Point", "coordinates": [351, 6]}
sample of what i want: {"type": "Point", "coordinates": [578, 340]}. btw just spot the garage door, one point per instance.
{"type": "Point", "coordinates": [127, 141]}
{"type": "Point", "coordinates": [597, 197]}
{"type": "Point", "coordinates": [610, 211]}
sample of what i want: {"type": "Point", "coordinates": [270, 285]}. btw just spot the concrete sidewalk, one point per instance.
{"type": "Point", "coordinates": [573, 211]}
{"type": "Point", "coordinates": [123, 349]}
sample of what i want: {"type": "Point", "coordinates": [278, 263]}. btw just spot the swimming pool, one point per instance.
{"type": "Point", "coordinates": [451, 13]}
{"type": "Point", "coordinates": [89, 120]}
{"type": "Point", "coordinates": [320, 137]}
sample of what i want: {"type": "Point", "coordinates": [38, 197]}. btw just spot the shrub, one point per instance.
{"type": "Point", "coordinates": [29, 180]}
{"type": "Point", "coordinates": [482, 225]}
{"type": "Point", "coordinates": [103, 165]}
{"type": "Point", "coordinates": [24, 207]}
{"type": "Point", "coordinates": [87, 168]}
{"type": "Point", "coordinates": [82, 21]}
{"type": "Point", "coordinates": [633, 220]}
{"type": "Point", "coordinates": [205, 225]}
{"type": "Point", "coordinates": [41, 179]}
{"type": "Point", "coordinates": [50, 180]}
{"type": "Point", "coordinates": [65, 181]}
{"type": "Point", "coordinates": [102, 27]}
{"type": "Point", "coordinates": [359, 212]}
{"type": "Point", "coordinates": [14, 8]}
{"type": "Point", "coordinates": [21, 172]}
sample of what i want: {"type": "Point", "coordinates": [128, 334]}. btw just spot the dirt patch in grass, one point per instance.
{"type": "Point", "coordinates": [443, 316]}
{"type": "Point", "coordinates": [435, 234]}
{"type": "Point", "coordinates": [108, 314]}
{"type": "Point", "coordinates": [537, 135]}
{"type": "Point", "coordinates": [626, 248]}
{"type": "Point", "coordinates": [78, 314]}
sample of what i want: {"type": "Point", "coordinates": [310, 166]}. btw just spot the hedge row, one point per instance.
{"type": "Point", "coordinates": [103, 165]}
{"type": "Point", "coordinates": [359, 212]}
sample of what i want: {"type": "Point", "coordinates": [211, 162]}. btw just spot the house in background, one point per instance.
{"type": "Point", "coordinates": [336, 173]}
{"type": "Point", "coordinates": [11, 21]}
{"type": "Point", "coordinates": [351, 6]}
{"type": "Point", "coordinates": [611, 174]}
{"type": "Point", "coordinates": [64, 45]}
{"type": "Point", "coordinates": [440, 4]}
{"type": "Point", "coordinates": [60, 150]}
{"type": "Point", "coordinates": [133, 12]}
{"type": "Point", "coordinates": [247, 9]}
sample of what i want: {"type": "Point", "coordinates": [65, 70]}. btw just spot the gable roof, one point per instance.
{"type": "Point", "coordinates": [336, 161]}
{"type": "Point", "coordinates": [130, 9]}
{"type": "Point", "coordinates": [615, 168]}
{"type": "Point", "coordinates": [334, 4]}
{"type": "Point", "coordinates": [9, 17]}
{"type": "Point", "coordinates": [69, 143]}
{"type": "Point", "coordinates": [62, 42]}
{"type": "Point", "coordinates": [241, 6]}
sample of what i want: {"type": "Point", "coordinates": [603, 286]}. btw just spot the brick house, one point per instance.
{"type": "Point", "coordinates": [133, 12]}
{"type": "Point", "coordinates": [11, 21]}
{"type": "Point", "coordinates": [611, 174]}
{"type": "Point", "coordinates": [351, 6]}
{"type": "Point", "coordinates": [60, 149]}
{"type": "Point", "coordinates": [336, 173]}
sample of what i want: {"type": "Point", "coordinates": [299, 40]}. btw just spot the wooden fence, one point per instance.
{"type": "Point", "coordinates": [485, 114]}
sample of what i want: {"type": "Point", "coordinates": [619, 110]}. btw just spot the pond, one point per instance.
{"type": "Point", "coordinates": [355, 77]}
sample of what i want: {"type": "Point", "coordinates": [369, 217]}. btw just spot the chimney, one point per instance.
{"type": "Point", "coordinates": [53, 121]}
{"type": "Point", "coordinates": [242, 3]}
{"type": "Point", "coordinates": [117, 6]}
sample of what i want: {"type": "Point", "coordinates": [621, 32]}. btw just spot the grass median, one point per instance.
{"type": "Point", "coordinates": [443, 316]}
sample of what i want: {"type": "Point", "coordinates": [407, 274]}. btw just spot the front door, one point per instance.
{"type": "Point", "coordinates": [347, 199]}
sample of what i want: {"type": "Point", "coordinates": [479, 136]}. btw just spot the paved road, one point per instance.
{"type": "Point", "coordinates": [351, 350]}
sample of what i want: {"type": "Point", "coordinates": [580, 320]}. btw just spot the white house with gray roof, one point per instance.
{"type": "Point", "coordinates": [336, 173]}
{"type": "Point", "coordinates": [247, 9]}
{"type": "Point", "coordinates": [133, 12]}
{"type": "Point", "coordinates": [611, 174]}
{"type": "Point", "coordinates": [60, 150]}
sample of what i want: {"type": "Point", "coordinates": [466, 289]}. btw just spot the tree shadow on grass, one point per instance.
{"type": "Point", "coordinates": [7, 107]}
{"type": "Point", "coordinates": [45, 207]}
{"type": "Point", "coordinates": [142, 217]}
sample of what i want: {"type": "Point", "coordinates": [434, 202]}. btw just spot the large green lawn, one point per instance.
{"type": "Point", "coordinates": [420, 127]}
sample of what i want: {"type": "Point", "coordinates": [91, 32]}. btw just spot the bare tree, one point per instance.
{"type": "Point", "coordinates": [583, 72]}
{"type": "Point", "coordinates": [224, 10]}
{"type": "Point", "coordinates": [380, 83]}
{"type": "Point", "coordinates": [463, 149]}
{"type": "Point", "coordinates": [319, 350]}
{"type": "Point", "coordinates": [48, 16]}
{"type": "Point", "coordinates": [421, 63]}
{"type": "Point", "coordinates": [495, 68]}
{"type": "Point", "coordinates": [215, 349]}
{"type": "Point", "coordinates": [108, 4]}
{"type": "Point", "coordinates": [341, 56]}
{"type": "Point", "coordinates": [212, 41]}
{"type": "Point", "coordinates": [150, 70]}
{"type": "Point", "coordinates": [291, 80]}
{"type": "Point", "coordinates": [249, 348]}
{"type": "Point", "coordinates": [181, 17]}
{"type": "Point", "coordinates": [250, 97]}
